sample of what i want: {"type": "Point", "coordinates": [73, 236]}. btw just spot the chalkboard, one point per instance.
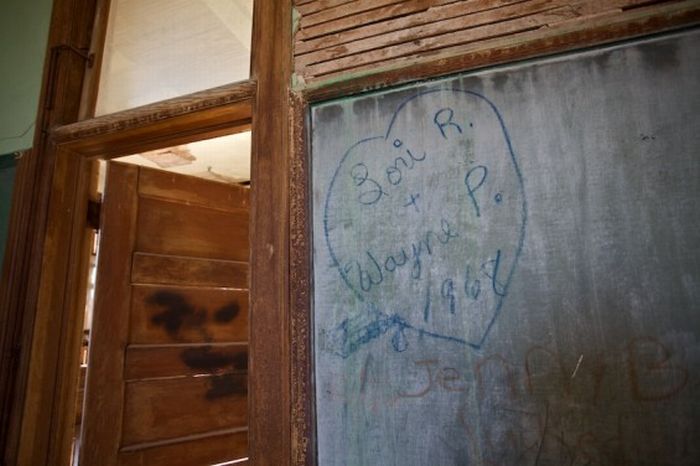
{"type": "Point", "coordinates": [507, 264]}
{"type": "Point", "coordinates": [7, 177]}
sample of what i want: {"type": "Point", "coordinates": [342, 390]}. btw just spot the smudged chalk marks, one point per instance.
{"type": "Point", "coordinates": [424, 224]}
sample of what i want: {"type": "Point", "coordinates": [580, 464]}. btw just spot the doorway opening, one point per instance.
{"type": "Point", "coordinates": [163, 376]}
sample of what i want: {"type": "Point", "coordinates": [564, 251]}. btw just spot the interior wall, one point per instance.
{"type": "Point", "coordinates": [24, 28]}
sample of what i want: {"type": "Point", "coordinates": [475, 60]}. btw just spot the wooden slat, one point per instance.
{"type": "Point", "coordinates": [464, 14]}
{"type": "Point", "coordinates": [381, 20]}
{"type": "Point", "coordinates": [191, 190]}
{"type": "Point", "coordinates": [178, 360]}
{"type": "Point", "coordinates": [439, 24]}
{"type": "Point", "coordinates": [425, 12]}
{"type": "Point", "coordinates": [313, 6]}
{"type": "Point", "coordinates": [178, 229]}
{"type": "Point", "coordinates": [435, 43]}
{"type": "Point", "coordinates": [171, 408]}
{"type": "Point", "coordinates": [411, 29]}
{"type": "Point", "coordinates": [342, 10]}
{"type": "Point", "coordinates": [167, 314]}
{"type": "Point", "coordinates": [172, 270]}
{"type": "Point", "coordinates": [211, 450]}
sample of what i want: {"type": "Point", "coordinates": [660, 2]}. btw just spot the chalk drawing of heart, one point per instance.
{"type": "Point", "coordinates": [425, 222]}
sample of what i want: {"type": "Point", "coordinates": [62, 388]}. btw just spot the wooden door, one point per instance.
{"type": "Point", "coordinates": [167, 372]}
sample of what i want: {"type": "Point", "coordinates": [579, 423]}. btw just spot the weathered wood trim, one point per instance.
{"type": "Point", "coordinates": [328, 11]}
{"type": "Point", "coordinates": [66, 250]}
{"type": "Point", "coordinates": [91, 83]}
{"type": "Point", "coordinates": [221, 110]}
{"type": "Point", "coordinates": [350, 28]}
{"type": "Point", "coordinates": [51, 381]}
{"type": "Point", "coordinates": [563, 37]}
{"type": "Point", "coordinates": [300, 265]}
{"type": "Point", "coordinates": [269, 386]}
{"type": "Point", "coordinates": [11, 319]}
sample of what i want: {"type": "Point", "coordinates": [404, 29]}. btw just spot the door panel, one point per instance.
{"type": "Point", "coordinates": [178, 229]}
{"type": "Point", "coordinates": [193, 360]}
{"type": "Point", "coordinates": [167, 377]}
{"type": "Point", "coordinates": [206, 450]}
{"type": "Point", "coordinates": [170, 408]}
{"type": "Point", "coordinates": [225, 309]}
{"type": "Point", "coordinates": [173, 270]}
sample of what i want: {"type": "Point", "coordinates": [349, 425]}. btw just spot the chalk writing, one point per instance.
{"type": "Point", "coordinates": [419, 220]}
{"type": "Point", "coordinates": [530, 409]}
{"type": "Point", "coordinates": [504, 270]}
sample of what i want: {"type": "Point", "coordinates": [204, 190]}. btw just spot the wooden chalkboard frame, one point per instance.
{"type": "Point", "coordinates": [605, 30]}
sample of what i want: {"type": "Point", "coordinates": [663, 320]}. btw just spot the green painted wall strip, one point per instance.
{"type": "Point", "coordinates": [24, 27]}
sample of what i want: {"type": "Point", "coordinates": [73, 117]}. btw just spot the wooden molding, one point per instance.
{"type": "Point", "coordinates": [269, 371]}
{"type": "Point", "coordinates": [11, 322]}
{"type": "Point", "coordinates": [300, 269]}
{"type": "Point", "coordinates": [88, 99]}
{"type": "Point", "coordinates": [218, 111]}
{"type": "Point", "coordinates": [25, 431]}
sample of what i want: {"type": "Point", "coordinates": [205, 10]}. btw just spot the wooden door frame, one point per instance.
{"type": "Point", "coordinates": [71, 21]}
{"type": "Point", "coordinates": [51, 241]}
{"type": "Point", "coordinates": [58, 321]}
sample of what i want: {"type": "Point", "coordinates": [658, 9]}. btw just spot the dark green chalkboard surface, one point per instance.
{"type": "Point", "coordinates": [507, 264]}
{"type": "Point", "coordinates": [7, 178]}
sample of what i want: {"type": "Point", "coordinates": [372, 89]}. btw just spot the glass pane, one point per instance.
{"type": "Point", "coordinates": [225, 159]}
{"type": "Point", "coordinates": [158, 49]}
